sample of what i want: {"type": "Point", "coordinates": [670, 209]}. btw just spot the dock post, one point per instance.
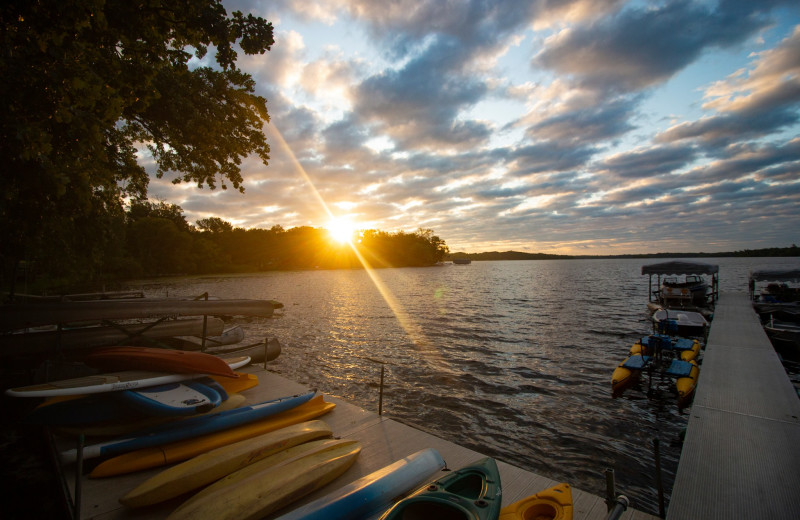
{"type": "Point", "coordinates": [380, 396]}
{"type": "Point", "coordinates": [610, 491]}
{"type": "Point", "coordinates": [76, 504]}
{"type": "Point", "coordinates": [621, 504]}
{"type": "Point", "coordinates": [659, 485]}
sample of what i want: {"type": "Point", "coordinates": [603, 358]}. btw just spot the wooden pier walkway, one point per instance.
{"type": "Point", "coordinates": [383, 441]}
{"type": "Point", "coordinates": [741, 456]}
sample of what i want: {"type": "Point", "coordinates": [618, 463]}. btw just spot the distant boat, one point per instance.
{"type": "Point", "coordinates": [461, 261]}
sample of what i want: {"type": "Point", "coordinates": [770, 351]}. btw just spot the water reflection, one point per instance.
{"type": "Point", "coordinates": [512, 359]}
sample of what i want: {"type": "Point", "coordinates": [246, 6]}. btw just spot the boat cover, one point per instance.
{"type": "Point", "coordinates": [680, 267]}
{"type": "Point", "coordinates": [772, 275]}
{"type": "Point", "coordinates": [679, 368]}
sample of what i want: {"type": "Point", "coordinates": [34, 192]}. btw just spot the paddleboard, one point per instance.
{"type": "Point", "coordinates": [264, 487]}
{"type": "Point", "coordinates": [216, 464]}
{"type": "Point", "coordinates": [554, 503]}
{"type": "Point", "coordinates": [157, 360]}
{"type": "Point", "coordinates": [128, 426]}
{"type": "Point", "coordinates": [184, 450]}
{"type": "Point", "coordinates": [111, 382]}
{"type": "Point", "coordinates": [373, 493]}
{"type": "Point", "coordinates": [186, 398]}
{"type": "Point", "coordinates": [189, 428]}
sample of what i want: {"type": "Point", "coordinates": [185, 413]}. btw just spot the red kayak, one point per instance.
{"type": "Point", "coordinates": [159, 360]}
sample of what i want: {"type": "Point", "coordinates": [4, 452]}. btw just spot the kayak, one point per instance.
{"type": "Point", "coordinates": [472, 492]}
{"type": "Point", "coordinates": [189, 428]}
{"type": "Point", "coordinates": [157, 360]}
{"type": "Point", "coordinates": [215, 464]}
{"type": "Point", "coordinates": [112, 382]}
{"type": "Point", "coordinates": [272, 483]}
{"type": "Point", "coordinates": [183, 450]}
{"type": "Point", "coordinates": [554, 503]}
{"type": "Point", "coordinates": [373, 493]}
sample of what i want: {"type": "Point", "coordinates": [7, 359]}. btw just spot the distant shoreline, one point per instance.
{"type": "Point", "coordinates": [792, 251]}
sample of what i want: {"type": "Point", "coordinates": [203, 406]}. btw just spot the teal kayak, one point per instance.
{"type": "Point", "coordinates": [470, 493]}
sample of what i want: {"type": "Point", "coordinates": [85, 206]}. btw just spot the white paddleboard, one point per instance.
{"type": "Point", "coordinates": [112, 382]}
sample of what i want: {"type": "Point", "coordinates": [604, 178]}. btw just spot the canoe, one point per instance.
{"type": "Point", "coordinates": [216, 464]}
{"type": "Point", "coordinates": [84, 338]}
{"type": "Point", "coordinates": [33, 315]}
{"type": "Point", "coordinates": [554, 503]}
{"type": "Point", "coordinates": [183, 450]}
{"type": "Point", "coordinates": [373, 493]}
{"type": "Point", "coordinates": [111, 382]}
{"type": "Point", "coordinates": [190, 428]}
{"type": "Point", "coordinates": [472, 492]}
{"type": "Point", "coordinates": [157, 360]}
{"type": "Point", "coordinates": [195, 342]}
{"type": "Point", "coordinates": [264, 487]}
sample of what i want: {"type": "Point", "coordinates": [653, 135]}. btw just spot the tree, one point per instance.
{"type": "Point", "coordinates": [86, 82]}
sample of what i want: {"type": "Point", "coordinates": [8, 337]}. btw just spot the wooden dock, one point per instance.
{"type": "Point", "coordinates": [741, 456]}
{"type": "Point", "coordinates": [383, 440]}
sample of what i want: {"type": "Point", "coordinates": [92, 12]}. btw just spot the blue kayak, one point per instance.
{"type": "Point", "coordinates": [190, 428]}
{"type": "Point", "coordinates": [373, 493]}
{"type": "Point", "coordinates": [471, 493]}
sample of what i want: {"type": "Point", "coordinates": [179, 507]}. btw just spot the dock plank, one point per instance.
{"type": "Point", "coordinates": [741, 455]}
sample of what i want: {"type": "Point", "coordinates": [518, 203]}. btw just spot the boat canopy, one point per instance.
{"type": "Point", "coordinates": [775, 275]}
{"type": "Point", "coordinates": [679, 267]}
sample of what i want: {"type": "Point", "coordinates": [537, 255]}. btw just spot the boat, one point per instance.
{"type": "Point", "coordinates": [374, 493]}
{"type": "Point", "coordinates": [472, 492]}
{"type": "Point", "coordinates": [461, 261]}
{"type": "Point", "coordinates": [691, 293]}
{"type": "Point", "coordinates": [22, 316]}
{"type": "Point", "coordinates": [628, 373]}
{"type": "Point", "coordinates": [113, 382]}
{"type": "Point", "coordinates": [656, 344]}
{"type": "Point", "coordinates": [687, 373]}
{"type": "Point", "coordinates": [157, 360]}
{"type": "Point", "coordinates": [266, 486]}
{"type": "Point", "coordinates": [785, 337]}
{"type": "Point", "coordinates": [680, 322]}
{"type": "Point", "coordinates": [158, 456]}
{"type": "Point", "coordinates": [777, 289]}
{"type": "Point", "coordinates": [189, 428]}
{"type": "Point", "coordinates": [213, 465]}
{"type": "Point", "coordinates": [554, 503]}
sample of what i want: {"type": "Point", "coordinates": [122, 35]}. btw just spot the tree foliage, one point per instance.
{"type": "Point", "coordinates": [86, 83]}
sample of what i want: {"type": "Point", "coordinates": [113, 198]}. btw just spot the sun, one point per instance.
{"type": "Point", "coordinates": [341, 230]}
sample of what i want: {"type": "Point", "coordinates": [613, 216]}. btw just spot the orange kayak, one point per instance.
{"type": "Point", "coordinates": [159, 360]}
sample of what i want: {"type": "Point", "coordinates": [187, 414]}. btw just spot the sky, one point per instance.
{"type": "Point", "coordinates": [584, 127]}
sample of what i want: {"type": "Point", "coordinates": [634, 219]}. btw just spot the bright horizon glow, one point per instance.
{"type": "Point", "coordinates": [341, 229]}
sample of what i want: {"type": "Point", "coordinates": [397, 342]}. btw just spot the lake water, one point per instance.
{"type": "Point", "coordinates": [510, 358]}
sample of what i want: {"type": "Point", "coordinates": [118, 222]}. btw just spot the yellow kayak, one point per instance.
{"type": "Point", "coordinates": [627, 373]}
{"type": "Point", "coordinates": [554, 503]}
{"type": "Point", "coordinates": [183, 450]}
{"type": "Point", "coordinates": [215, 464]}
{"type": "Point", "coordinates": [272, 483]}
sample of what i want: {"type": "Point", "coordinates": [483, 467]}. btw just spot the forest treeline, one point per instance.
{"type": "Point", "coordinates": [155, 239]}
{"type": "Point", "coordinates": [518, 255]}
